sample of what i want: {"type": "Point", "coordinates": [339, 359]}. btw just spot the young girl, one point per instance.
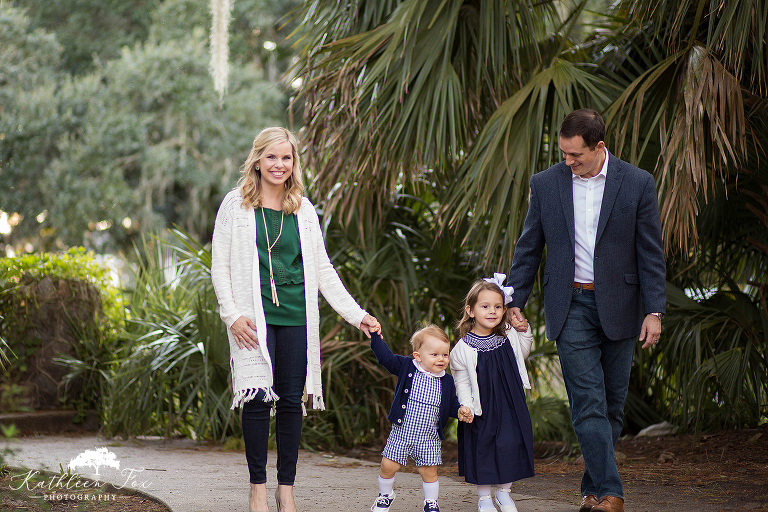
{"type": "Point", "coordinates": [425, 397]}
{"type": "Point", "coordinates": [488, 364]}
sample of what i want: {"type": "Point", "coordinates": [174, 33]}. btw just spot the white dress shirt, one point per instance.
{"type": "Point", "coordinates": [587, 200]}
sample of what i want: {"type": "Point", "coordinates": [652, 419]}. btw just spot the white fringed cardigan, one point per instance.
{"type": "Point", "coordinates": [236, 281]}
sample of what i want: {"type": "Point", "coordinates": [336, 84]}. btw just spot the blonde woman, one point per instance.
{"type": "Point", "coordinates": [269, 262]}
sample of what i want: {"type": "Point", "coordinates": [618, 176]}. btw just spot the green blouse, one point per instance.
{"type": "Point", "coordinates": [287, 268]}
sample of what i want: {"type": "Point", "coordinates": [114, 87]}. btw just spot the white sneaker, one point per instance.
{"type": "Point", "coordinates": [383, 502]}
{"type": "Point", "coordinates": [505, 508]}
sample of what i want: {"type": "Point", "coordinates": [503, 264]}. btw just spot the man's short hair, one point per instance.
{"type": "Point", "coordinates": [585, 122]}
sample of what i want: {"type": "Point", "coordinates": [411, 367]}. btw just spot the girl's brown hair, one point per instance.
{"type": "Point", "coordinates": [250, 177]}
{"type": "Point", "coordinates": [465, 324]}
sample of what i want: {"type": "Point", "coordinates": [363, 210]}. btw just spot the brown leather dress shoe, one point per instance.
{"type": "Point", "coordinates": [587, 502]}
{"type": "Point", "coordinates": [609, 504]}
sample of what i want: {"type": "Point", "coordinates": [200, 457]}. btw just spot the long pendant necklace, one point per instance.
{"type": "Point", "coordinates": [275, 300]}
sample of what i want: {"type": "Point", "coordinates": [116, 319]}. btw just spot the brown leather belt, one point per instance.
{"type": "Point", "coordinates": [584, 286]}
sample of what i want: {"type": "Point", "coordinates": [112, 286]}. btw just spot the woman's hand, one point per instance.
{"type": "Point", "coordinates": [244, 332]}
{"type": "Point", "coordinates": [370, 324]}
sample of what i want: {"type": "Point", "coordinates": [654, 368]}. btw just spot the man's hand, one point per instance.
{"type": "Point", "coordinates": [519, 326]}
{"type": "Point", "coordinates": [515, 317]}
{"type": "Point", "coordinates": [651, 330]}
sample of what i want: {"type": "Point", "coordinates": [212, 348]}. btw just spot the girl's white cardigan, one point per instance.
{"type": "Point", "coordinates": [463, 360]}
{"type": "Point", "coordinates": [236, 281]}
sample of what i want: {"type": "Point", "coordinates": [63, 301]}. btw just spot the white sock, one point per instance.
{"type": "Point", "coordinates": [431, 490]}
{"type": "Point", "coordinates": [484, 493]}
{"type": "Point", "coordinates": [502, 495]}
{"type": "Point", "coordinates": [386, 485]}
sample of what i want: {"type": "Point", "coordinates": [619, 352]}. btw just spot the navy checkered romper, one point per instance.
{"type": "Point", "coordinates": [417, 437]}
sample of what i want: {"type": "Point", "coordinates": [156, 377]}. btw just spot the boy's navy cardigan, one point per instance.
{"type": "Point", "coordinates": [404, 368]}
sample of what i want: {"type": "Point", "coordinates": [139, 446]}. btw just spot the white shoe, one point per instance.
{"type": "Point", "coordinates": [505, 508]}
{"type": "Point", "coordinates": [383, 502]}
{"type": "Point", "coordinates": [486, 505]}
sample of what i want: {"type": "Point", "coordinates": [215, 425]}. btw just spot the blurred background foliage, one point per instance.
{"type": "Point", "coordinates": [422, 122]}
{"type": "Point", "coordinates": [135, 140]}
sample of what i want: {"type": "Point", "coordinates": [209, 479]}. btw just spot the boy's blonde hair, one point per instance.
{"type": "Point", "coordinates": [465, 324]}
{"type": "Point", "coordinates": [429, 330]}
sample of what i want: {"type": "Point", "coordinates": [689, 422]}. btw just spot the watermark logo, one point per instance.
{"type": "Point", "coordinates": [95, 459]}
{"type": "Point", "coordinates": [71, 486]}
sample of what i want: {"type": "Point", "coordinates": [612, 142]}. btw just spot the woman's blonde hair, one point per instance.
{"type": "Point", "coordinates": [465, 324]}
{"type": "Point", "coordinates": [250, 176]}
{"type": "Point", "coordinates": [420, 336]}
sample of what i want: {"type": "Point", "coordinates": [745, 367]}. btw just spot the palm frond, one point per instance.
{"type": "Point", "coordinates": [491, 186]}
{"type": "Point", "coordinates": [396, 104]}
{"type": "Point", "coordinates": [712, 371]}
{"type": "Point", "coordinates": [698, 129]}
{"type": "Point", "coordinates": [691, 101]}
{"type": "Point", "coordinates": [734, 30]}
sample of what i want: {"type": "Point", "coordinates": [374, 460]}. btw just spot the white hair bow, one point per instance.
{"type": "Point", "coordinates": [498, 280]}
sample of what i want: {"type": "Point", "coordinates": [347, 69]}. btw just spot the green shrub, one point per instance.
{"type": "Point", "coordinates": [67, 296]}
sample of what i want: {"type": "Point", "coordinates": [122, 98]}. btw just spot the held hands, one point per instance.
{"type": "Point", "coordinates": [517, 320]}
{"type": "Point", "coordinates": [244, 332]}
{"type": "Point", "coordinates": [370, 324]}
{"type": "Point", "coordinates": [465, 414]}
{"type": "Point", "coordinates": [518, 325]}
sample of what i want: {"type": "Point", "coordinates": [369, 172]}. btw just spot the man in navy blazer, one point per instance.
{"type": "Point", "coordinates": [604, 286]}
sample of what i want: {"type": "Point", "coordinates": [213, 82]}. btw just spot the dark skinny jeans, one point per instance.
{"type": "Point", "coordinates": [287, 347]}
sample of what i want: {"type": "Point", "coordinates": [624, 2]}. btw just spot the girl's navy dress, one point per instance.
{"type": "Point", "coordinates": [496, 447]}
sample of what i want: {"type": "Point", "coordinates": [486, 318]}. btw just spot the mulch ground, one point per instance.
{"type": "Point", "coordinates": [37, 491]}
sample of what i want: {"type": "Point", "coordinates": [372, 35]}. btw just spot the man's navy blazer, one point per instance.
{"type": "Point", "coordinates": [404, 368]}
{"type": "Point", "coordinates": [629, 266]}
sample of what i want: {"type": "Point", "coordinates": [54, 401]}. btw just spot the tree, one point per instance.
{"type": "Point", "coordinates": [156, 148]}
{"type": "Point", "coordinates": [137, 145]}
{"type": "Point", "coordinates": [396, 92]}
{"type": "Point", "coordinates": [440, 108]}
{"type": "Point", "coordinates": [29, 61]}
{"type": "Point", "coordinates": [28, 57]}
{"type": "Point", "coordinates": [91, 31]}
